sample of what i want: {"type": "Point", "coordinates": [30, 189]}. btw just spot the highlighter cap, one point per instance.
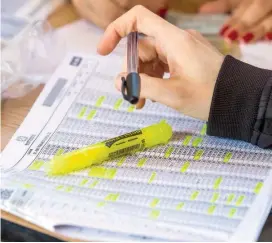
{"type": "Point", "coordinates": [156, 134]}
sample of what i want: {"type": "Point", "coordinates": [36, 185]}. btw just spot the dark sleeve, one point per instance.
{"type": "Point", "coordinates": [242, 104]}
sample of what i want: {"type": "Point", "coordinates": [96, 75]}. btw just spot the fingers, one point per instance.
{"type": "Point", "coordinates": [149, 60]}
{"type": "Point", "coordinates": [248, 22]}
{"type": "Point", "coordinates": [238, 11]}
{"type": "Point", "coordinates": [257, 10]}
{"type": "Point", "coordinates": [268, 35]}
{"type": "Point", "coordinates": [137, 19]}
{"type": "Point", "coordinates": [241, 8]}
{"type": "Point", "coordinates": [259, 31]}
{"type": "Point", "coordinates": [140, 104]}
{"type": "Point", "coordinates": [200, 38]}
{"type": "Point", "coordinates": [146, 49]}
{"type": "Point", "coordinates": [218, 6]}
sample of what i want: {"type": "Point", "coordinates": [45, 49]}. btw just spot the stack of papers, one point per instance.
{"type": "Point", "coordinates": [196, 188]}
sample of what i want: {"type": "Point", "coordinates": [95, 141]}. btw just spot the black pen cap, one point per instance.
{"type": "Point", "coordinates": [131, 86]}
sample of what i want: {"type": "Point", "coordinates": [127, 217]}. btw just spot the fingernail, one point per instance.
{"type": "Point", "coordinates": [233, 35]}
{"type": "Point", "coordinates": [223, 30]}
{"type": "Point", "coordinates": [248, 37]}
{"type": "Point", "coordinates": [162, 12]}
{"type": "Point", "coordinates": [268, 36]}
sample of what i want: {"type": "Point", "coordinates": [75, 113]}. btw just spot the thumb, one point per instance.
{"type": "Point", "coordinates": [155, 89]}
{"type": "Point", "coordinates": [218, 6]}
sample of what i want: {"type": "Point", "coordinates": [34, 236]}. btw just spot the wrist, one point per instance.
{"type": "Point", "coordinates": [235, 101]}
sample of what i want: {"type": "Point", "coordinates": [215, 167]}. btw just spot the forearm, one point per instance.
{"type": "Point", "coordinates": [242, 104]}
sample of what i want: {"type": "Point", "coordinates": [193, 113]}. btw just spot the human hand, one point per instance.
{"type": "Point", "coordinates": [251, 20]}
{"type": "Point", "coordinates": [103, 12]}
{"type": "Point", "coordinates": [193, 63]}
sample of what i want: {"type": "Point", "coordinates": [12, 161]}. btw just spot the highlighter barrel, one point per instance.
{"type": "Point", "coordinates": [126, 144]}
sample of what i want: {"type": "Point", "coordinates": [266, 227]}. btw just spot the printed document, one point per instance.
{"type": "Point", "coordinates": [197, 187]}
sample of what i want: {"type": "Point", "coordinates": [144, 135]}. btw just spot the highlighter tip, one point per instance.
{"type": "Point", "coordinates": [70, 162]}
{"type": "Point", "coordinates": [60, 165]}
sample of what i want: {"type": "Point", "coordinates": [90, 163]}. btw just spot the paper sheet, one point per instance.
{"type": "Point", "coordinates": [259, 54]}
{"type": "Point", "coordinates": [195, 188]}
{"type": "Point", "coordinates": [204, 23]}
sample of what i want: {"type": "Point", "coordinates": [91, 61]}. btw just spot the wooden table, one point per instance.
{"type": "Point", "coordinates": [14, 111]}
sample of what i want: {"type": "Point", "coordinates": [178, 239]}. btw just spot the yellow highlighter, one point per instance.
{"type": "Point", "coordinates": [126, 144]}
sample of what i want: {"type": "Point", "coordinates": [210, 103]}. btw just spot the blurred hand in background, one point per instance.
{"type": "Point", "coordinates": [250, 20]}
{"type": "Point", "coordinates": [103, 12]}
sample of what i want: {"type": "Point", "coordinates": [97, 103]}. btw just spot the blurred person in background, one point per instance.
{"type": "Point", "coordinates": [103, 12]}
{"type": "Point", "coordinates": [250, 20]}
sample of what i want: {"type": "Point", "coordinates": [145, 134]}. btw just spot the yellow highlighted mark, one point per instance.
{"type": "Point", "coordinates": [168, 152]}
{"type": "Point", "coordinates": [258, 187]}
{"type": "Point", "coordinates": [141, 162]}
{"type": "Point", "coordinates": [83, 182]}
{"type": "Point", "coordinates": [154, 214]}
{"type": "Point", "coordinates": [163, 120]}
{"type": "Point", "coordinates": [82, 112]}
{"type": "Point", "coordinates": [215, 197]}
{"type": "Point", "coordinates": [69, 188]}
{"type": "Point", "coordinates": [232, 212]}
{"type": "Point", "coordinates": [152, 177]}
{"type": "Point", "coordinates": [180, 206]}
{"type": "Point", "coordinates": [185, 167]}
{"type": "Point", "coordinates": [94, 184]}
{"type": "Point", "coordinates": [59, 187]}
{"type": "Point", "coordinates": [240, 200]}
{"type": "Point", "coordinates": [36, 165]}
{"type": "Point", "coordinates": [225, 48]}
{"type": "Point", "coordinates": [100, 100]}
{"type": "Point", "coordinates": [227, 157]}
{"type": "Point", "coordinates": [117, 104]}
{"type": "Point", "coordinates": [230, 198]}
{"type": "Point", "coordinates": [91, 114]}
{"type": "Point", "coordinates": [187, 140]}
{"type": "Point", "coordinates": [211, 209]}
{"type": "Point", "coordinates": [197, 141]}
{"type": "Point", "coordinates": [154, 202]}
{"type": "Point", "coordinates": [203, 130]}
{"type": "Point", "coordinates": [59, 152]}
{"type": "Point", "coordinates": [194, 195]}
{"type": "Point", "coordinates": [101, 204]}
{"type": "Point", "coordinates": [46, 166]}
{"type": "Point", "coordinates": [121, 161]}
{"type": "Point", "coordinates": [112, 197]}
{"type": "Point", "coordinates": [102, 172]}
{"type": "Point", "coordinates": [131, 108]}
{"type": "Point", "coordinates": [217, 182]}
{"type": "Point", "coordinates": [28, 186]}
{"type": "Point", "coordinates": [198, 154]}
